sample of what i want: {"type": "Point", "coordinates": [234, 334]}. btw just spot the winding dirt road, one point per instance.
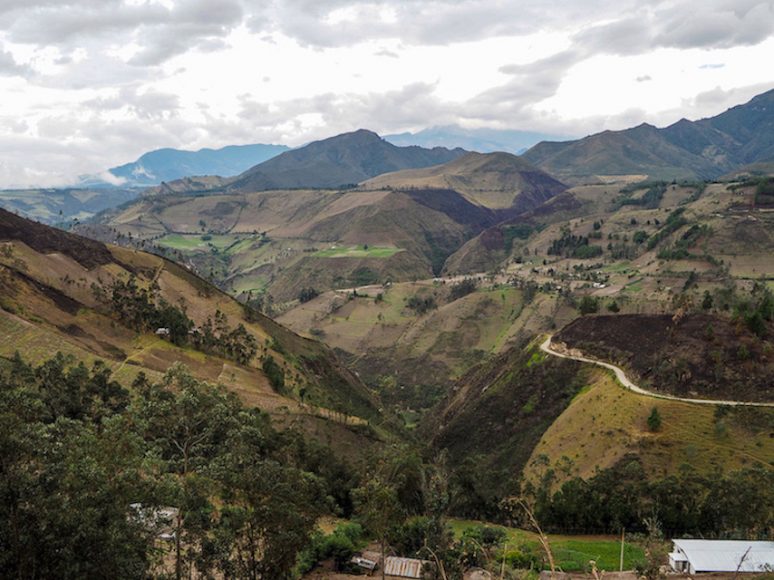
{"type": "Point", "coordinates": [624, 380]}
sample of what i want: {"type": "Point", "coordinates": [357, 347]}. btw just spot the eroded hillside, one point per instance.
{"type": "Point", "coordinates": [142, 313]}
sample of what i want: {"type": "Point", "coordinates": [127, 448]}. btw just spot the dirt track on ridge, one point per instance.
{"type": "Point", "coordinates": [545, 346]}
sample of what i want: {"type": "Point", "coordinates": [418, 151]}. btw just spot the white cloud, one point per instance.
{"type": "Point", "coordinates": [89, 84]}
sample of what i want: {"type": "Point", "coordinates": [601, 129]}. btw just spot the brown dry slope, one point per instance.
{"type": "Point", "coordinates": [696, 356]}
{"type": "Point", "coordinates": [53, 297]}
{"type": "Point", "coordinates": [493, 180]}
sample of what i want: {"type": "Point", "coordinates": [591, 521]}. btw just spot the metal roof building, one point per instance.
{"type": "Point", "coordinates": [404, 567]}
{"type": "Point", "coordinates": [694, 556]}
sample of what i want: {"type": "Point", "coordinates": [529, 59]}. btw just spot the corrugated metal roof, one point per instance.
{"type": "Point", "coordinates": [405, 567]}
{"type": "Point", "coordinates": [725, 555]}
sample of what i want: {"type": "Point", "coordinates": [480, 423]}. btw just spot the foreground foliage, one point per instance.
{"type": "Point", "coordinates": [77, 449]}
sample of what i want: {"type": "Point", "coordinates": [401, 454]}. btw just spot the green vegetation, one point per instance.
{"type": "Point", "coordinates": [680, 249]}
{"type": "Point", "coordinates": [307, 294]}
{"type": "Point", "coordinates": [516, 232]}
{"type": "Point", "coordinates": [421, 304]}
{"type": "Point", "coordinates": [572, 246]}
{"type": "Point", "coordinates": [654, 420]}
{"type": "Point", "coordinates": [572, 554]}
{"type": "Point", "coordinates": [364, 251]}
{"type": "Point", "coordinates": [136, 307]}
{"type": "Point", "coordinates": [651, 199]}
{"type": "Point", "coordinates": [461, 289]}
{"type": "Point", "coordinates": [191, 242]}
{"type": "Point", "coordinates": [364, 276]}
{"type": "Point", "coordinates": [588, 305]}
{"type": "Point", "coordinates": [674, 222]}
{"type": "Point", "coordinates": [617, 497]}
{"type": "Point", "coordinates": [88, 469]}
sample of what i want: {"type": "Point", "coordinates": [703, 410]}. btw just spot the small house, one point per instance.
{"type": "Point", "coordinates": [405, 567]}
{"type": "Point", "coordinates": [162, 331]}
{"type": "Point", "coordinates": [694, 556]}
{"type": "Point", "coordinates": [364, 563]}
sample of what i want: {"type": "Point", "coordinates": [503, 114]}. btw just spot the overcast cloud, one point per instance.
{"type": "Point", "coordinates": [88, 84]}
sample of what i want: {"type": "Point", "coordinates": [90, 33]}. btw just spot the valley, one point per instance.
{"type": "Point", "coordinates": [432, 353]}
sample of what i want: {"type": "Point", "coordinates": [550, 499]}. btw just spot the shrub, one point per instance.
{"type": "Point", "coordinates": [654, 420]}
{"type": "Point", "coordinates": [461, 289]}
{"type": "Point", "coordinates": [307, 294]}
{"type": "Point", "coordinates": [588, 305]}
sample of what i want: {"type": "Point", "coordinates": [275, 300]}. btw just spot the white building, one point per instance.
{"type": "Point", "coordinates": [692, 556]}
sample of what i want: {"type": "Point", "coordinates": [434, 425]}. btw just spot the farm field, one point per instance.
{"type": "Point", "coordinates": [572, 553]}
{"type": "Point", "coordinates": [195, 242]}
{"type": "Point", "coordinates": [358, 252]}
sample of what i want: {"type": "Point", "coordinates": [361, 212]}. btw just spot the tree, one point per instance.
{"type": "Point", "coordinates": [706, 302]}
{"type": "Point", "coordinates": [588, 305]}
{"type": "Point", "coordinates": [654, 420]}
{"type": "Point", "coordinates": [377, 505]}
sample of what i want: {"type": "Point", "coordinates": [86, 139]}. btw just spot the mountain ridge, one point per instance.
{"type": "Point", "coordinates": [168, 164]}
{"type": "Point", "coordinates": [685, 150]}
{"type": "Point", "coordinates": [338, 161]}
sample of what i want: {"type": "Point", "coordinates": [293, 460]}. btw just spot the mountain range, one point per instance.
{"type": "Point", "coordinates": [703, 149]}
{"type": "Point", "coordinates": [168, 164]}
{"type": "Point", "coordinates": [343, 160]}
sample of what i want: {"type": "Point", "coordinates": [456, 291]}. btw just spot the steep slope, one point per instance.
{"type": "Point", "coordinates": [643, 150]}
{"type": "Point", "coordinates": [702, 149]}
{"type": "Point", "coordinates": [700, 355]}
{"type": "Point", "coordinates": [63, 292]}
{"type": "Point", "coordinates": [281, 242]}
{"type": "Point", "coordinates": [338, 161]}
{"type": "Point", "coordinates": [496, 413]}
{"type": "Point", "coordinates": [169, 164]}
{"type": "Point", "coordinates": [494, 180]}
{"type": "Point", "coordinates": [64, 205]}
{"type": "Point", "coordinates": [527, 416]}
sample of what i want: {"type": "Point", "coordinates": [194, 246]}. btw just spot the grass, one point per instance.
{"type": "Point", "coordinates": [604, 422]}
{"type": "Point", "coordinates": [571, 553]}
{"type": "Point", "coordinates": [618, 267]}
{"type": "Point", "coordinates": [358, 252]}
{"type": "Point", "coordinates": [635, 286]}
{"type": "Point", "coordinates": [193, 243]}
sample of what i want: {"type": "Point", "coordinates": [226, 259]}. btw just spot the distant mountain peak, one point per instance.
{"type": "Point", "coordinates": [167, 164]}
{"type": "Point", "coordinates": [341, 160]}
{"type": "Point", "coordinates": [703, 149]}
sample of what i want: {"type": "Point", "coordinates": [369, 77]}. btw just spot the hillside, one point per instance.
{"type": "Point", "coordinates": [703, 149]}
{"type": "Point", "coordinates": [279, 242]}
{"type": "Point", "coordinates": [338, 161]}
{"type": "Point", "coordinates": [525, 417]}
{"type": "Point", "coordinates": [62, 292]}
{"type": "Point", "coordinates": [168, 164]}
{"type": "Point", "coordinates": [495, 414]}
{"type": "Point", "coordinates": [494, 180]}
{"type": "Point", "coordinates": [700, 355]}
{"type": "Point", "coordinates": [411, 340]}
{"type": "Point", "coordinates": [53, 206]}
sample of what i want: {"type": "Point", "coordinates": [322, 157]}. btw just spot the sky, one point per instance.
{"type": "Point", "coordinates": [90, 84]}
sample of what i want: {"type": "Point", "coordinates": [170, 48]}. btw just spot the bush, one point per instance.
{"type": "Point", "coordinates": [307, 294]}
{"type": "Point", "coordinates": [467, 286]}
{"type": "Point", "coordinates": [588, 305]}
{"type": "Point", "coordinates": [654, 420]}
{"type": "Point", "coordinates": [421, 305]}
{"type": "Point", "coordinates": [587, 252]}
